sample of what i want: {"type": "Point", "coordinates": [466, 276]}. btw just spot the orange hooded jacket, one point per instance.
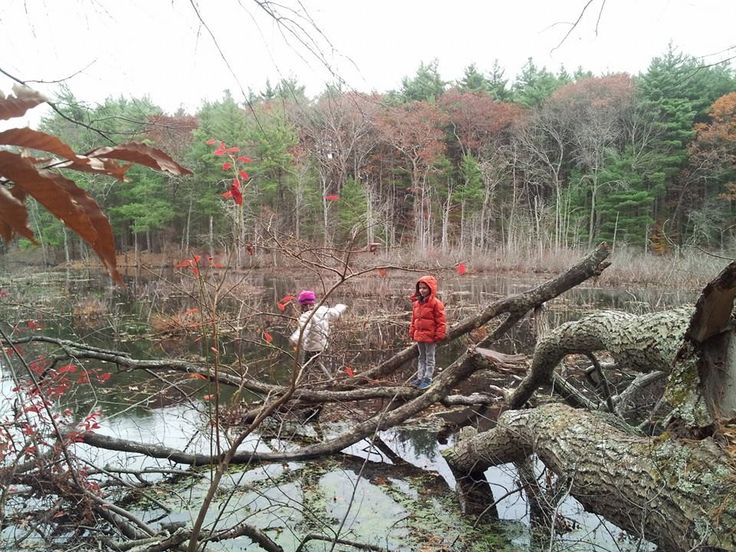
{"type": "Point", "coordinates": [428, 324]}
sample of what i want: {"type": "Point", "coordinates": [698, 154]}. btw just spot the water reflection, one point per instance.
{"type": "Point", "coordinates": [85, 307]}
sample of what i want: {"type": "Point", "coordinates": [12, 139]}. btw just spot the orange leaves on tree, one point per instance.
{"type": "Point", "coordinates": [713, 152]}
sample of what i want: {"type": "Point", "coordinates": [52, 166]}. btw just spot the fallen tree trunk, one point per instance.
{"type": "Point", "coordinates": [679, 495]}
{"type": "Point", "coordinates": [639, 343]}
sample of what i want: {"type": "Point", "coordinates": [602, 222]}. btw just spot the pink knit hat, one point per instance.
{"type": "Point", "coordinates": [306, 297]}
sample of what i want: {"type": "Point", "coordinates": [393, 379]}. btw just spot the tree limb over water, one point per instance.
{"type": "Point", "coordinates": [676, 488]}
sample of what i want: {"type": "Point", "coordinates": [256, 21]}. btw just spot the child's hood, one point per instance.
{"type": "Point", "coordinates": [431, 282]}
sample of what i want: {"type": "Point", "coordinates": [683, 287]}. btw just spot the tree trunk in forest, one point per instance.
{"type": "Point", "coordinates": [680, 496]}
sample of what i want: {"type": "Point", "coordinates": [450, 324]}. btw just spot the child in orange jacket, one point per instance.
{"type": "Point", "coordinates": [428, 326]}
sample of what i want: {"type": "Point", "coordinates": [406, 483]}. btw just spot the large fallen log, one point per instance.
{"type": "Point", "coordinates": [644, 343]}
{"type": "Point", "coordinates": [679, 495]}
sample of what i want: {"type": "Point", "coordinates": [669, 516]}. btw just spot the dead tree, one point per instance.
{"type": "Point", "coordinates": [676, 489]}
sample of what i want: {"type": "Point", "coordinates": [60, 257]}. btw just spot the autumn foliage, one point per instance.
{"type": "Point", "coordinates": [23, 174]}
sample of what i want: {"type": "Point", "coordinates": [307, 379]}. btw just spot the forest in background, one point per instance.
{"type": "Point", "coordinates": [549, 162]}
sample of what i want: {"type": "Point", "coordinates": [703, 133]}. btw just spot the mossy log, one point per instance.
{"type": "Point", "coordinates": [639, 343]}
{"type": "Point", "coordinates": [680, 495]}
{"type": "Point", "coordinates": [694, 346]}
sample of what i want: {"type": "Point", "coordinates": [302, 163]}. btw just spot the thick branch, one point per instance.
{"type": "Point", "coordinates": [643, 343]}
{"type": "Point", "coordinates": [458, 371]}
{"type": "Point", "coordinates": [678, 495]}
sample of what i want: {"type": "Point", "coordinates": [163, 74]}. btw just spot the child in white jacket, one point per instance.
{"type": "Point", "coordinates": [314, 326]}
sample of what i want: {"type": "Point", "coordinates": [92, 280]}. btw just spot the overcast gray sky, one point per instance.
{"type": "Point", "coordinates": [160, 47]}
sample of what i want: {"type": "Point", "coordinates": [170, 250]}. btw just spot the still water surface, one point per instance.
{"type": "Point", "coordinates": [85, 307]}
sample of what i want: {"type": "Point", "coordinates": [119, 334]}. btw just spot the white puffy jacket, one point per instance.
{"type": "Point", "coordinates": [317, 330]}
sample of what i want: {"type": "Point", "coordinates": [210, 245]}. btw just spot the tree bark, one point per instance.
{"type": "Point", "coordinates": [640, 343]}
{"type": "Point", "coordinates": [679, 495]}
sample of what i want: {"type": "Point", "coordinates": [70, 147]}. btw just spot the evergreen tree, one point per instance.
{"type": "Point", "coordinates": [676, 92]}
{"type": "Point", "coordinates": [498, 86]}
{"type": "Point", "coordinates": [427, 85]}
{"type": "Point", "coordinates": [534, 85]}
{"type": "Point", "coordinates": [473, 81]}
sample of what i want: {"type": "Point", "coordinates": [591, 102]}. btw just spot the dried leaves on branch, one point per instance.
{"type": "Point", "coordinates": [37, 174]}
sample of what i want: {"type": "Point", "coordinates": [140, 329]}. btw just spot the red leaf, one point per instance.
{"type": "Point", "coordinates": [104, 377]}
{"type": "Point", "coordinates": [461, 270]}
{"type": "Point", "coordinates": [349, 371]}
{"type": "Point", "coordinates": [68, 202]}
{"type": "Point", "coordinates": [267, 337]}
{"type": "Point", "coordinates": [186, 263]}
{"type": "Point", "coordinates": [281, 306]}
{"type": "Point", "coordinates": [14, 219]}
{"type": "Point", "coordinates": [382, 272]}
{"type": "Point", "coordinates": [83, 378]}
{"type": "Point", "coordinates": [24, 99]}
{"type": "Point", "coordinates": [67, 369]}
{"type": "Point", "coordinates": [234, 149]}
{"type": "Point", "coordinates": [227, 166]}
{"type": "Point", "coordinates": [235, 184]}
{"type": "Point", "coordinates": [237, 196]}
{"type": "Point", "coordinates": [227, 195]}
{"type": "Point", "coordinates": [141, 154]}
{"type": "Point", "coordinates": [245, 159]}
{"type": "Point", "coordinates": [199, 377]}
{"type": "Point", "coordinates": [244, 175]}
{"type": "Point", "coordinates": [211, 141]}
{"type": "Point", "coordinates": [208, 397]}
{"type": "Point", "coordinates": [33, 325]}
{"type": "Point", "coordinates": [332, 197]}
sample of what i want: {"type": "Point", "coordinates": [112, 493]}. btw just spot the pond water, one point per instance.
{"type": "Point", "coordinates": [160, 314]}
